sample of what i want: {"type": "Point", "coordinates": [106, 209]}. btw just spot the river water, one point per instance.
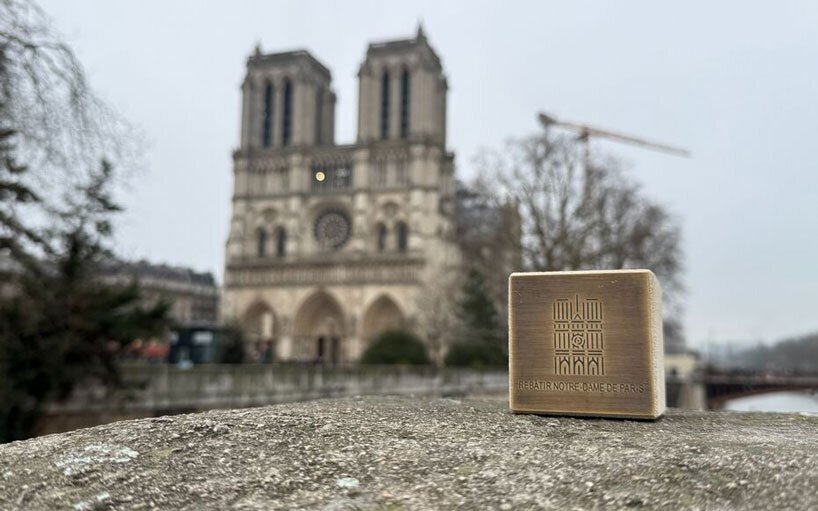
{"type": "Point", "coordinates": [777, 402]}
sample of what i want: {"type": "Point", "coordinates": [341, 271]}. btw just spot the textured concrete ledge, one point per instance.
{"type": "Point", "coordinates": [404, 453]}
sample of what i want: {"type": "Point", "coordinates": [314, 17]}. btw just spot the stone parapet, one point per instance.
{"type": "Point", "coordinates": [418, 453]}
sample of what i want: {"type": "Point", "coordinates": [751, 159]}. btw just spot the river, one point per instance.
{"type": "Point", "coordinates": [777, 402]}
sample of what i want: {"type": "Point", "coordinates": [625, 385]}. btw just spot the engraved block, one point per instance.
{"type": "Point", "coordinates": [586, 343]}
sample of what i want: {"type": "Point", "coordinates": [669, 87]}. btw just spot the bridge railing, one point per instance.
{"type": "Point", "coordinates": [762, 379]}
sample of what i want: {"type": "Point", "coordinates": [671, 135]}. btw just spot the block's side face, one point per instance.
{"type": "Point", "coordinates": [582, 344]}
{"type": "Point", "coordinates": [510, 341]}
{"type": "Point", "coordinates": [515, 300]}
{"type": "Point", "coordinates": [657, 345]}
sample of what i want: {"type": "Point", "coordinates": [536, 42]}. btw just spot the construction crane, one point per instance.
{"type": "Point", "coordinates": [585, 132]}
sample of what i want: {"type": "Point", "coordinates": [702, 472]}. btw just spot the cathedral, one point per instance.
{"type": "Point", "coordinates": [329, 245]}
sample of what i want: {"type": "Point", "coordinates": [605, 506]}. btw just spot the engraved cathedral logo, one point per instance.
{"type": "Point", "coordinates": [578, 337]}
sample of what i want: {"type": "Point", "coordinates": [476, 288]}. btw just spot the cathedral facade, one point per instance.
{"type": "Point", "coordinates": [329, 244]}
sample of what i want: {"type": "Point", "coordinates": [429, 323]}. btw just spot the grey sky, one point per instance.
{"type": "Point", "coordinates": [736, 82]}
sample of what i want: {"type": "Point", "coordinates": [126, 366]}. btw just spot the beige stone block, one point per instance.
{"type": "Point", "coordinates": [586, 343]}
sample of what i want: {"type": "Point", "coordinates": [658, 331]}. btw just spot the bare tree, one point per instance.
{"type": "Point", "coordinates": [436, 318]}
{"type": "Point", "coordinates": [578, 215]}
{"type": "Point", "coordinates": [62, 127]}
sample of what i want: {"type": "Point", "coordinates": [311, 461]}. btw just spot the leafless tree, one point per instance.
{"type": "Point", "coordinates": [578, 215]}
{"type": "Point", "coordinates": [436, 318]}
{"type": "Point", "coordinates": [63, 127]}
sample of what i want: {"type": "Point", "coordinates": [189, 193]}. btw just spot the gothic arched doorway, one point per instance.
{"type": "Point", "coordinates": [260, 327]}
{"type": "Point", "coordinates": [319, 330]}
{"type": "Point", "coordinates": [383, 314]}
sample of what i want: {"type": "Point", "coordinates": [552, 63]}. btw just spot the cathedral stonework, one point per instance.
{"type": "Point", "coordinates": [329, 244]}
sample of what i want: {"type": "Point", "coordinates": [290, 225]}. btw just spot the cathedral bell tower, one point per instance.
{"type": "Point", "coordinates": [287, 101]}
{"type": "Point", "coordinates": [402, 92]}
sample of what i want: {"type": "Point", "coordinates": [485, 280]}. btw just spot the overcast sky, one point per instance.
{"type": "Point", "coordinates": [736, 82]}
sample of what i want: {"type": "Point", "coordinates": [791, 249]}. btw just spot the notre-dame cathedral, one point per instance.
{"type": "Point", "coordinates": [331, 244]}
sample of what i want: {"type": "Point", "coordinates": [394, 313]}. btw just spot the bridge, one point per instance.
{"type": "Point", "coordinates": [722, 387]}
{"type": "Point", "coordinates": [713, 389]}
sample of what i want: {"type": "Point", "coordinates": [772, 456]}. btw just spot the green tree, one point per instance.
{"type": "Point", "coordinates": [476, 355]}
{"type": "Point", "coordinates": [481, 335]}
{"type": "Point", "coordinates": [232, 346]}
{"type": "Point", "coordinates": [61, 327]}
{"type": "Point", "coordinates": [396, 347]}
{"type": "Point", "coordinates": [480, 321]}
{"type": "Point", "coordinates": [15, 193]}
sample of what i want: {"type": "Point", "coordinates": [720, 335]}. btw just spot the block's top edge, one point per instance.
{"type": "Point", "coordinates": [582, 272]}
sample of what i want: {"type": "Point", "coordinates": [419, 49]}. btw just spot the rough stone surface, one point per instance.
{"type": "Point", "coordinates": [404, 453]}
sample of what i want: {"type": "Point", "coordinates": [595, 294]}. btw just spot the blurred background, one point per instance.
{"type": "Point", "coordinates": [220, 204]}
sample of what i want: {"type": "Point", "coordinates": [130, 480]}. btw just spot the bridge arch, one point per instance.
{"type": "Point", "coordinates": [320, 331]}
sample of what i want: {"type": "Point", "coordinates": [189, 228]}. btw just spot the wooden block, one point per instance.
{"type": "Point", "coordinates": [586, 343]}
